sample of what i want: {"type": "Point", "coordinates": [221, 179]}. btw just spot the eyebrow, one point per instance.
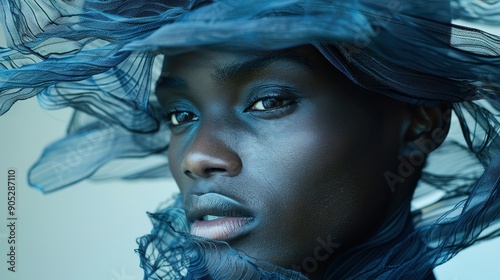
{"type": "Point", "coordinates": [240, 68]}
{"type": "Point", "coordinates": [243, 68]}
{"type": "Point", "coordinates": [172, 82]}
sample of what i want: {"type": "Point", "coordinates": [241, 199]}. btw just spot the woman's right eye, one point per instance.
{"type": "Point", "coordinates": [181, 117]}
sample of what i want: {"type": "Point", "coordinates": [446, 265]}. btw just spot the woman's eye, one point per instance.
{"type": "Point", "coordinates": [270, 103]}
{"type": "Point", "coordinates": [182, 117]}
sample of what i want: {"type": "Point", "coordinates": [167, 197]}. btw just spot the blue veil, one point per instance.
{"type": "Point", "coordinates": [102, 58]}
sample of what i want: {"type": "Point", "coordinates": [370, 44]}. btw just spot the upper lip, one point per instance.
{"type": "Point", "coordinates": [198, 206]}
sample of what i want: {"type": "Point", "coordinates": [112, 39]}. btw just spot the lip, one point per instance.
{"type": "Point", "coordinates": [235, 219]}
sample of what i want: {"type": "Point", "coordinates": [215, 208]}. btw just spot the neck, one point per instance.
{"type": "Point", "coordinates": [368, 257]}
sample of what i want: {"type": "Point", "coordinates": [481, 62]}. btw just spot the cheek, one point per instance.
{"type": "Point", "coordinates": [176, 154]}
{"type": "Point", "coordinates": [303, 190]}
{"type": "Point", "coordinates": [323, 179]}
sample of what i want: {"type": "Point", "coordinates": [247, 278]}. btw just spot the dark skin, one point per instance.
{"type": "Point", "coordinates": [301, 148]}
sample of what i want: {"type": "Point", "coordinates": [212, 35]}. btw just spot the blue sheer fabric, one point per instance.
{"type": "Point", "coordinates": [102, 58]}
{"type": "Point", "coordinates": [170, 252]}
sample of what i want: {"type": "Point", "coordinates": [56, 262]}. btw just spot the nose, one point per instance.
{"type": "Point", "coordinates": [208, 156]}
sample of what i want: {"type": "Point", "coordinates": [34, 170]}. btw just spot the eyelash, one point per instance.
{"type": "Point", "coordinates": [254, 100]}
{"type": "Point", "coordinates": [171, 113]}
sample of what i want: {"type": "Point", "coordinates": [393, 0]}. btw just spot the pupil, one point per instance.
{"type": "Point", "coordinates": [182, 117]}
{"type": "Point", "coordinates": [271, 103]}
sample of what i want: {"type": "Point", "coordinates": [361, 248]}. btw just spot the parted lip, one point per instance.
{"type": "Point", "coordinates": [198, 206]}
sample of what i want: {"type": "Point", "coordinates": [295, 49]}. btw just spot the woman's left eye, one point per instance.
{"type": "Point", "coordinates": [181, 117]}
{"type": "Point", "coordinates": [270, 103]}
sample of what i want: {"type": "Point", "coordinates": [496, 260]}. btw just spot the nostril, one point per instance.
{"type": "Point", "coordinates": [204, 165]}
{"type": "Point", "coordinates": [214, 170]}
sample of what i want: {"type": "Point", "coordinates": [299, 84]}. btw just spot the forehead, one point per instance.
{"type": "Point", "coordinates": [306, 55]}
{"type": "Point", "coordinates": [197, 73]}
{"type": "Point", "coordinates": [231, 66]}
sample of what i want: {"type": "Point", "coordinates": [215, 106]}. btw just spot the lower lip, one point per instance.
{"type": "Point", "coordinates": [221, 229]}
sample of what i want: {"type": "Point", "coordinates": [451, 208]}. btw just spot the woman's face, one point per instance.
{"type": "Point", "coordinates": [278, 154]}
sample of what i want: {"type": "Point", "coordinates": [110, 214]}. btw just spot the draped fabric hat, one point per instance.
{"type": "Point", "coordinates": [103, 57]}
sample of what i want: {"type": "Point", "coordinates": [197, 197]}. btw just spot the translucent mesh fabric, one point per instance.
{"type": "Point", "coordinates": [101, 58]}
{"type": "Point", "coordinates": [170, 252]}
